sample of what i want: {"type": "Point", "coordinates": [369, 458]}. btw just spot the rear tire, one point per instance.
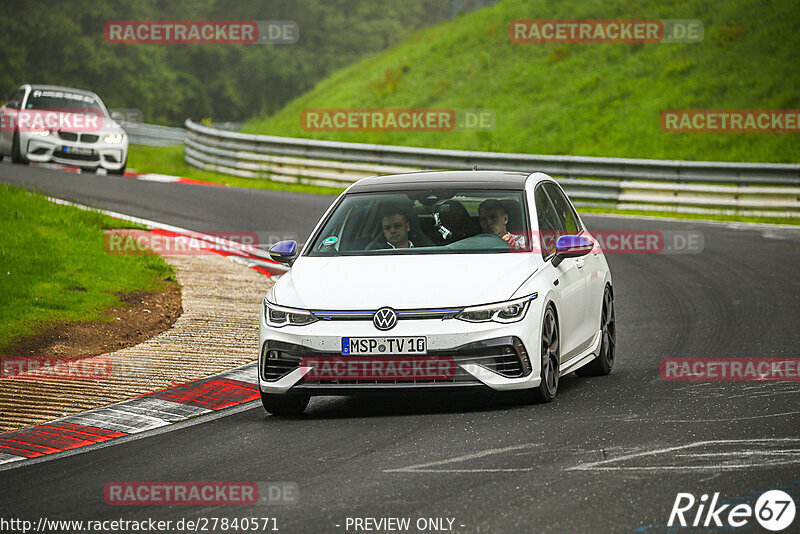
{"type": "Point", "coordinates": [287, 404]}
{"type": "Point", "coordinates": [16, 153]}
{"type": "Point", "coordinates": [550, 354]}
{"type": "Point", "coordinates": [604, 362]}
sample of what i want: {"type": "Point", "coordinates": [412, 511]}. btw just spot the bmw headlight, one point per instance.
{"type": "Point", "coordinates": [43, 133]}
{"type": "Point", "coordinates": [113, 139]}
{"type": "Point", "coordinates": [278, 316]}
{"type": "Point", "coordinates": [503, 312]}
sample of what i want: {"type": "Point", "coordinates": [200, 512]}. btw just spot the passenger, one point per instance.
{"type": "Point", "coordinates": [395, 228]}
{"type": "Point", "coordinates": [494, 219]}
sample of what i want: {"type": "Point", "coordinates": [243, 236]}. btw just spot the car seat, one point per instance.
{"type": "Point", "coordinates": [514, 212]}
{"type": "Point", "coordinates": [452, 222]}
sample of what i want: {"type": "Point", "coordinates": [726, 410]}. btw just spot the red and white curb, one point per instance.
{"type": "Point", "coordinates": [145, 177]}
{"type": "Point", "coordinates": [164, 178]}
{"type": "Point", "coordinates": [249, 256]}
{"type": "Point", "coordinates": [154, 410]}
{"type": "Point", "coordinates": [162, 408]}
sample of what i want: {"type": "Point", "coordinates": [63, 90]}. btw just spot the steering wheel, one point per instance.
{"type": "Point", "coordinates": [492, 235]}
{"type": "Point", "coordinates": [479, 242]}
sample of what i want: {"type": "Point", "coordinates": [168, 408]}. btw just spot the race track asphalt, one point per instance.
{"type": "Point", "coordinates": [487, 463]}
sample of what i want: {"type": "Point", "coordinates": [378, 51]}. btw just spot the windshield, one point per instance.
{"type": "Point", "coordinates": [442, 221]}
{"type": "Point", "coordinates": [65, 101]}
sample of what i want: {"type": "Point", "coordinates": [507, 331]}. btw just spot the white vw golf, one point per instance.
{"type": "Point", "coordinates": [463, 279]}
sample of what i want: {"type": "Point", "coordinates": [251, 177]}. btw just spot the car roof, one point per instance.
{"type": "Point", "coordinates": [60, 88]}
{"type": "Point", "coordinates": [438, 179]}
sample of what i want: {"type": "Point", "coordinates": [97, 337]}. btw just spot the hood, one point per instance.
{"type": "Point", "coordinates": [403, 282]}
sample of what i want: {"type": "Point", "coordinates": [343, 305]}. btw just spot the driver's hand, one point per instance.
{"type": "Point", "coordinates": [508, 238]}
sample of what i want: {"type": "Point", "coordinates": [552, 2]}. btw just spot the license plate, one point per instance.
{"type": "Point", "coordinates": [373, 346]}
{"type": "Point", "coordinates": [77, 150]}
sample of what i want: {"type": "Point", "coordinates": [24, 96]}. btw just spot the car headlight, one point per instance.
{"type": "Point", "coordinates": [113, 139]}
{"type": "Point", "coordinates": [43, 133]}
{"type": "Point", "coordinates": [503, 312]}
{"type": "Point", "coordinates": [278, 316]}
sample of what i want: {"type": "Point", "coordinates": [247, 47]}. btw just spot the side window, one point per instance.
{"type": "Point", "coordinates": [15, 102]}
{"type": "Point", "coordinates": [549, 223]}
{"type": "Point", "coordinates": [566, 213]}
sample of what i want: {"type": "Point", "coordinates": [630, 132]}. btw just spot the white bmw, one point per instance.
{"type": "Point", "coordinates": [463, 279]}
{"type": "Point", "coordinates": [45, 123]}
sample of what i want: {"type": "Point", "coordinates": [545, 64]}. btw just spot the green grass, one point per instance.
{"type": "Point", "coordinates": [579, 99]}
{"type": "Point", "coordinates": [169, 160]}
{"type": "Point", "coordinates": [54, 268]}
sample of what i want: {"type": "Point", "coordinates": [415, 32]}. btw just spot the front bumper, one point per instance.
{"type": "Point", "coordinates": [48, 149]}
{"type": "Point", "coordinates": [487, 355]}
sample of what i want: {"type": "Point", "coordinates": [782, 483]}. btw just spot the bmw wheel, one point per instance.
{"type": "Point", "coordinates": [16, 154]}
{"type": "Point", "coordinates": [602, 365]}
{"type": "Point", "coordinates": [121, 170]}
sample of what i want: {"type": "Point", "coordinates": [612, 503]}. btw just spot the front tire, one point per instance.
{"type": "Point", "coordinates": [16, 153]}
{"type": "Point", "coordinates": [121, 170]}
{"type": "Point", "coordinates": [604, 362]}
{"type": "Point", "coordinates": [550, 354]}
{"type": "Point", "coordinates": [286, 404]}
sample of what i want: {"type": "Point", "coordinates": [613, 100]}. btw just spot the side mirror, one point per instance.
{"type": "Point", "coordinates": [284, 252]}
{"type": "Point", "coordinates": [117, 117]}
{"type": "Point", "coordinates": [571, 246]}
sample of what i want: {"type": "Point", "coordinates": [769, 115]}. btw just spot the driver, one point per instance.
{"type": "Point", "coordinates": [494, 218]}
{"type": "Point", "coordinates": [395, 228]}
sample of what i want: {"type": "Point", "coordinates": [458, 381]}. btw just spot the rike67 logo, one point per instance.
{"type": "Point", "coordinates": [774, 510]}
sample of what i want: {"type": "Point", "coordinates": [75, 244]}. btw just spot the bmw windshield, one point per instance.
{"type": "Point", "coordinates": [427, 221]}
{"type": "Point", "coordinates": [64, 101]}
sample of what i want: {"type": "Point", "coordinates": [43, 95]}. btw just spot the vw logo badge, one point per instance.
{"type": "Point", "coordinates": [385, 319]}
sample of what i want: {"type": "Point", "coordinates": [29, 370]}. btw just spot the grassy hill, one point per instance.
{"type": "Point", "coordinates": [579, 99]}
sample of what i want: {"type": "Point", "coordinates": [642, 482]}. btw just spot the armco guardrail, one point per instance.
{"type": "Point", "coordinates": [153, 134]}
{"type": "Point", "coordinates": [765, 189]}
